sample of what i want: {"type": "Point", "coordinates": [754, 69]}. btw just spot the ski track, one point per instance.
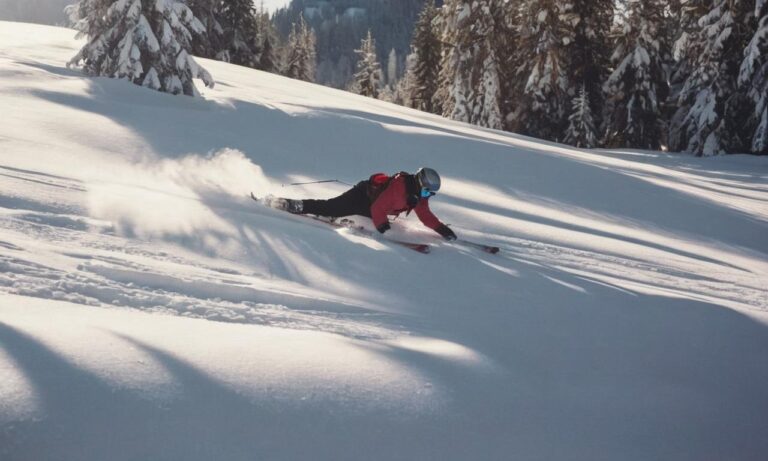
{"type": "Point", "coordinates": [106, 272]}
{"type": "Point", "coordinates": [107, 282]}
{"type": "Point", "coordinates": [728, 286]}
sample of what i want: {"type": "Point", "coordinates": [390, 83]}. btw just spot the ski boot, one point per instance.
{"type": "Point", "coordinates": [285, 204]}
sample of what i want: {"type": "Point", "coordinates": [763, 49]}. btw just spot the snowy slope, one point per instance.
{"type": "Point", "coordinates": [150, 310]}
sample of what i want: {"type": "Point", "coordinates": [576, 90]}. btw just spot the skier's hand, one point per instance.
{"type": "Point", "coordinates": [446, 232]}
{"type": "Point", "coordinates": [384, 227]}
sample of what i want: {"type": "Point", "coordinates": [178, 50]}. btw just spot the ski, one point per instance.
{"type": "Point", "coordinates": [479, 246]}
{"type": "Point", "coordinates": [348, 224]}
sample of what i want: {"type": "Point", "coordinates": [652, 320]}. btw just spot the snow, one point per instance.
{"type": "Point", "coordinates": [150, 310]}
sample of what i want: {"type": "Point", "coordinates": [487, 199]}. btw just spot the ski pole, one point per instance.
{"type": "Point", "coordinates": [316, 182]}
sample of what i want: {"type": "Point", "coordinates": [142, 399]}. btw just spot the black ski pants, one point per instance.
{"type": "Point", "coordinates": [352, 202]}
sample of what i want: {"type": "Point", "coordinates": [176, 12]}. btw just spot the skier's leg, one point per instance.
{"type": "Point", "coordinates": [352, 202]}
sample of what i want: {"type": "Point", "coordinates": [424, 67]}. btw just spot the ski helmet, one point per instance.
{"type": "Point", "coordinates": [428, 178]}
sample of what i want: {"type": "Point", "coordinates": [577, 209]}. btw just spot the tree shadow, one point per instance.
{"type": "Point", "coordinates": [61, 71]}
{"type": "Point", "coordinates": [530, 217]}
{"type": "Point", "coordinates": [82, 417]}
{"type": "Point", "coordinates": [605, 370]}
{"type": "Point", "coordinates": [85, 418]}
{"type": "Point", "coordinates": [726, 171]}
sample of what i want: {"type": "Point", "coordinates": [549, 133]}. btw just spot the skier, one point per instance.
{"type": "Point", "coordinates": [378, 197]}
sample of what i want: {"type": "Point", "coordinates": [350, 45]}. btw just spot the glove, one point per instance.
{"type": "Point", "coordinates": [446, 232]}
{"type": "Point", "coordinates": [384, 227]}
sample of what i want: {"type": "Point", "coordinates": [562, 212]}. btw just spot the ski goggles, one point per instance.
{"type": "Point", "coordinates": [426, 193]}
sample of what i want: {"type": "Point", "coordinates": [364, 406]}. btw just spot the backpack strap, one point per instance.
{"type": "Point", "coordinates": [411, 190]}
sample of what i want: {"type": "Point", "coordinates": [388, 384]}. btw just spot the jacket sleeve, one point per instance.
{"type": "Point", "coordinates": [426, 216]}
{"type": "Point", "coordinates": [386, 202]}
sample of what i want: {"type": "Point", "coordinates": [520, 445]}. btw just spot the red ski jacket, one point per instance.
{"type": "Point", "coordinates": [394, 200]}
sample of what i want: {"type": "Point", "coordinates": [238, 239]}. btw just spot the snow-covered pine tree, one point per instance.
{"type": "Point", "coordinates": [367, 79]}
{"type": "Point", "coordinates": [470, 68]}
{"type": "Point", "coordinates": [293, 55]}
{"type": "Point", "coordinates": [392, 68]}
{"type": "Point", "coordinates": [685, 51]}
{"type": "Point", "coordinates": [211, 43]}
{"type": "Point", "coordinates": [543, 91]}
{"type": "Point", "coordinates": [714, 120]}
{"type": "Point", "coordinates": [582, 131]}
{"type": "Point", "coordinates": [679, 21]}
{"type": "Point", "coordinates": [144, 41]}
{"type": "Point", "coordinates": [310, 45]}
{"type": "Point", "coordinates": [485, 99]}
{"type": "Point", "coordinates": [637, 86]}
{"type": "Point", "coordinates": [682, 24]}
{"type": "Point", "coordinates": [450, 94]}
{"type": "Point", "coordinates": [510, 24]}
{"type": "Point", "coordinates": [300, 55]}
{"type": "Point", "coordinates": [753, 78]}
{"type": "Point", "coordinates": [240, 33]}
{"type": "Point", "coordinates": [426, 61]}
{"type": "Point", "coordinates": [88, 17]}
{"type": "Point", "coordinates": [587, 63]}
{"type": "Point", "coordinates": [268, 60]}
{"type": "Point", "coordinates": [670, 30]}
{"type": "Point", "coordinates": [386, 93]}
{"type": "Point", "coordinates": [310, 50]}
{"type": "Point", "coordinates": [405, 87]}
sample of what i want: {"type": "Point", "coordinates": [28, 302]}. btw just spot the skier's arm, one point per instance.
{"type": "Point", "coordinates": [430, 220]}
{"type": "Point", "coordinates": [426, 216]}
{"type": "Point", "coordinates": [384, 204]}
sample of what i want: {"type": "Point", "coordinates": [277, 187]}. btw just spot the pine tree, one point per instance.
{"type": "Point", "coordinates": [426, 61]}
{"type": "Point", "coordinates": [309, 44]}
{"type": "Point", "coordinates": [582, 131]}
{"type": "Point", "coordinates": [240, 33]}
{"type": "Point", "coordinates": [268, 60]}
{"type": "Point", "coordinates": [587, 60]}
{"type": "Point", "coordinates": [386, 93]}
{"type": "Point", "coordinates": [470, 69]}
{"type": "Point", "coordinates": [88, 17]}
{"type": "Point", "coordinates": [511, 59]}
{"type": "Point", "coordinates": [406, 86]}
{"type": "Point", "coordinates": [341, 24]}
{"type": "Point", "coordinates": [144, 41]}
{"type": "Point", "coordinates": [449, 94]}
{"type": "Point", "coordinates": [714, 120]}
{"type": "Point", "coordinates": [367, 80]}
{"type": "Point", "coordinates": [637, 85]}
{"type": "Point", "coordinates": [267, 40]}
{"type": "Point", "coordinates": [688, 14]}
{"type": "Point", "coordinates": [685, 50]}
{"type": "Point", "coordinates": [392, 68]}
{"type": "Point", "coordinates": [293, 60]}
{"type": "Point", "coordinates": [211, 43]}
{"type": "Point", "coordinates": [300, 60]}
{"type": "Point", "coordinates": [753, 78]}
{"type": "Point", "coordinates": [543, 91]}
